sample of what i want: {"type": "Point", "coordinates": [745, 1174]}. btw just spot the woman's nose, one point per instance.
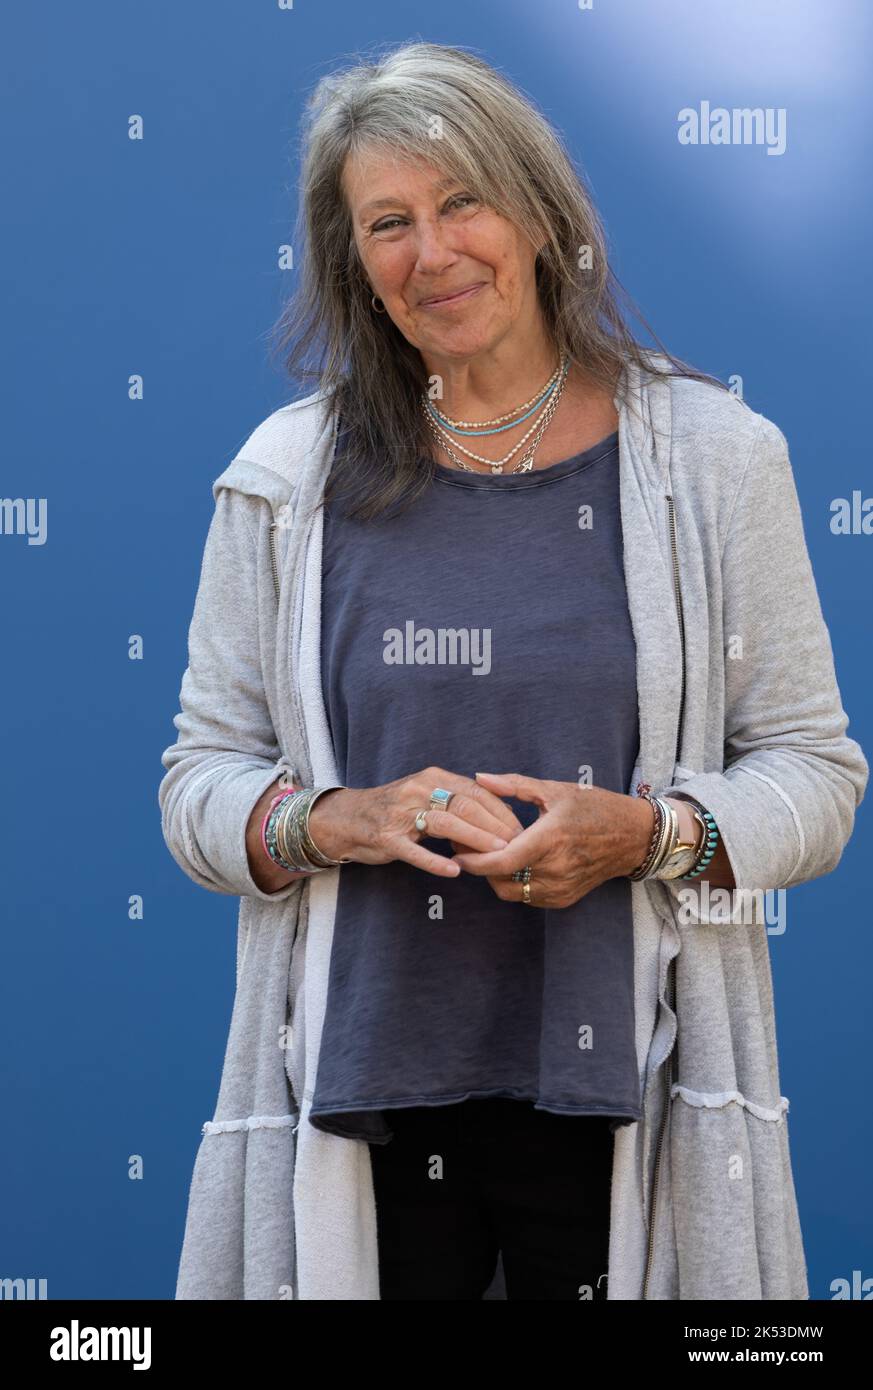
{"type": "Point", "coordinates": [433, 249]}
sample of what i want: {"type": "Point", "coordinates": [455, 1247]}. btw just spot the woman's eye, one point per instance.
{"type": "Point", "coordinates": [390, 222]}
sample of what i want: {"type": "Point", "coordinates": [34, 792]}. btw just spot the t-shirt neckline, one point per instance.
{"type": "Point", "coordinates": [585, 459]}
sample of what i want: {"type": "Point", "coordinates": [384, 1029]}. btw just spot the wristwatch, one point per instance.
{"type": "Point", "coordinates": [683, 854]}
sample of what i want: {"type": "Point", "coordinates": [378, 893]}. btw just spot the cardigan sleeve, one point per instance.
{"type": "Point", "coordinates": [785, 803]}
{"type": "Point", "coordinates": [226, 753]}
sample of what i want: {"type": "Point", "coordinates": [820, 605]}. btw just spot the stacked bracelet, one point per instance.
{"type": "Point", "coordinates": [285, 832]}
{"type": "Point", "coordinates": [665, 836]}
{"type": "Point", "coordinates": [659, 845]}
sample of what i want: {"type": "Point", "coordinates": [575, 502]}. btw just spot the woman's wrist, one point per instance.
{"type": "Point", "coordinates": [641, 823]}
{"type": "Point", "coordinates": [330, 823]}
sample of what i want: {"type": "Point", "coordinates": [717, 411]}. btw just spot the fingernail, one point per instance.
{"type": "Point", "coordinates": [500, 844]}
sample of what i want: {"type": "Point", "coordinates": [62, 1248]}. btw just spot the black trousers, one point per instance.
{"type": "Point", "coordinates": [460, 1183]}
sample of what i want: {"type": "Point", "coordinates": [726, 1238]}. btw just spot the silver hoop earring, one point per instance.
{"type": "Point", "coordinates": [373, 299]}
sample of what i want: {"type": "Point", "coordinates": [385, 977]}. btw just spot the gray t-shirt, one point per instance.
{"type": "Point", "coordinates": [484, 628]}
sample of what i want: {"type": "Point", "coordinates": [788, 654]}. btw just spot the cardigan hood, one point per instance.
{"type": "Point", "coordinates": [739, 707]}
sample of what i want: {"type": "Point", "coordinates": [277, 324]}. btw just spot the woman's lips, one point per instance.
{"type": "Point", "coordinates": [452, 299]}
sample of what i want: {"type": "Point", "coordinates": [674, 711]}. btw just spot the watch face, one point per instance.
{"type": "Point", "coordinates": [679, 861]}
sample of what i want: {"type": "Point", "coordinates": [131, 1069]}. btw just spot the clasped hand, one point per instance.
{"type": "Point", "coordinates": [582, 837]}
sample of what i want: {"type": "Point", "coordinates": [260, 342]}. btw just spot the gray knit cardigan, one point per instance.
{"type": "Point", "coordinates": [703, 1203]}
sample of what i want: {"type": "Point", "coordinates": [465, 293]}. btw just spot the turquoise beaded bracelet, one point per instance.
{"type": "Point", "coordinates": [710, 840]}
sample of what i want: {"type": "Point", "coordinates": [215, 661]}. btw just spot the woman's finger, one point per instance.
{"type": "Point", "coordinates": [527, 848]}
{"type": "Point", "coordinates": [479, 806]}
{"type": "Point", "coordinates": [503, 816]}
{"type": "Point", "coordinates": [411, 852]}
{"type": "Point", "coordinates": [473, 836]}
{"type": "Point", "coordinates": [490, 814]}
{"type": "Point", "coordinates": [513, 784]}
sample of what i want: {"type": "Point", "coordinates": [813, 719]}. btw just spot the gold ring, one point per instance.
{"type": "Point", "coordinates": [525, 894]}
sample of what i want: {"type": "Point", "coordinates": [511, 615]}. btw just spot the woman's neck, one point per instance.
{"type": "Point", "coordinates": [585, 414]}
{"type": "Point", "coordinates": [482, 389]}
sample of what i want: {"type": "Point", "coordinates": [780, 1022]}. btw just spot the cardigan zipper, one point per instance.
{"type": "Point", "coordinates": [668, 1072]}
{"type": "Point", "coordinates": [287, 777]}
{"type": "Point", "coordinates": [273, 559]}
{"type": "Point", "coordinates": [675, 544]}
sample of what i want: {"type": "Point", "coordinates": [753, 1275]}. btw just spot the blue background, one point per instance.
{"type": "Point", "coordinates": [159, 257]}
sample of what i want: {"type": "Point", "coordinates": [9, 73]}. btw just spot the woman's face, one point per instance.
{"type": "Point", "coordinates": [420, 238]}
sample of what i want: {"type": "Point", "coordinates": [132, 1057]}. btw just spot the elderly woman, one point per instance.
{"type": "Point", "coordinates": [509, 696]}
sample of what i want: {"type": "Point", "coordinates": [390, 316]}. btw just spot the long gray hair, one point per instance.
{"type": "Point", "coordinates": [494, 141]}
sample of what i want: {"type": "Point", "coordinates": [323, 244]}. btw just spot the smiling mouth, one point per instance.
{"type": "Point", "coordinates": [451, 298]}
